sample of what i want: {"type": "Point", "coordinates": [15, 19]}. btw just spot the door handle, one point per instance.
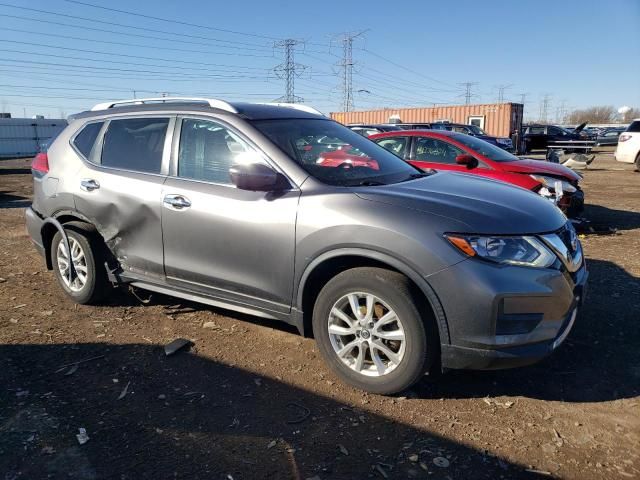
{"type": "Point", "coordinates": [177, 202]}
{"type": "Point", "coordinates": [89, 185]}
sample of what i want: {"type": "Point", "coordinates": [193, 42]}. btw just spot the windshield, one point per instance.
{"type": "Point", "coordinates": [484, 148]}
{"type": "Point", "coordinates": [334, 154]}
{"type": "Point", "coordinates": [476, 130]}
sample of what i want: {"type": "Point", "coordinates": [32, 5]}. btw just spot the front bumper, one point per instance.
{"type": "Point", "coordinates": [511, 316]}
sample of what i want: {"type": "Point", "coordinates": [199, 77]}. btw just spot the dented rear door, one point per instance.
{"type": "Point", "coordinates": [119, 190]}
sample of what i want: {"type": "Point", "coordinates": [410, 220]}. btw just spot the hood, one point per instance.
{"type": "Point", "coordinates": [580, 127]}
{"type": "Point", "coordinates": [481, 205]}
{"type": "Point", "coordinates": [542, 167]}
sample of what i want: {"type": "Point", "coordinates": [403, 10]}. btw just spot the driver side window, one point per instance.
{"type": "Point", "coordinates": [207, 151]}
{"type": "Point", "coordinates": [436, 151]}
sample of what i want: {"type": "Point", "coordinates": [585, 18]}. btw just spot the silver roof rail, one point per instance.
{"type": "Point", "coordinates": [297, 106]}
{"type": "Point", "coordinates": [212, 102]}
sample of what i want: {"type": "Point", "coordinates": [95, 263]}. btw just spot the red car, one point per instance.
{"type": "Point", "coordinates": [444, 150]}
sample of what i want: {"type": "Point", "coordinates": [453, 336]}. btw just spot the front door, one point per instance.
{"type": "Point", "coordinates": [232, 244]}
{"type": "Point", "coordinates": [434, 153]}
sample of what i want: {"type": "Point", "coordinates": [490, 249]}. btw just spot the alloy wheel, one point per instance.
{"type": "Point", "coordinates": [366, 334]}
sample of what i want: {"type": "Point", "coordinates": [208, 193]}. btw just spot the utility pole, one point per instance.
{"type": "Point", "coordinates": [346, 65]}
{"type": "Point", "coordinates": [289, 69]}
{"type": "Point", "coordinates": [468, 94]}
{"type": "Point", "coordinates": [501, 89]}
{"type": "Point", "coordinates": [544, 108]}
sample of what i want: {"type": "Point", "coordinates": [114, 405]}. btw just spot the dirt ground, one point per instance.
{"type": "Point", "coordinates": [253, 400]}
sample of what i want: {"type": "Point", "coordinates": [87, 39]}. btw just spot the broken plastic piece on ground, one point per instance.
{"type": "Point", "coordinates": [82, 436]}
{"type": "Point", "coordinates": [177, 344]}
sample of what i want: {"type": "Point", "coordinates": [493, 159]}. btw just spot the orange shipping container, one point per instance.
{"type": "Point", "coordinates": [498, 119]}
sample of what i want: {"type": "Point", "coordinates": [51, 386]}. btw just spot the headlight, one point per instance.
{"type": "Point", "coordinates": [524, 251]}
{"type": "Point", "coordinates": [550, 183]}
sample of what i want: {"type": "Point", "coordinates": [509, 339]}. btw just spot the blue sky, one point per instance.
{"type": "Point", "coordinates": [412, 53]}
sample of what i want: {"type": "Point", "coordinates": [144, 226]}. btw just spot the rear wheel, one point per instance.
{"type": "Point", "coordinates": [89, 282]}
{"type": "Point", "coordinates": [370, 330]}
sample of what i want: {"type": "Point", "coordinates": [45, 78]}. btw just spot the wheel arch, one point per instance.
{"type": "Point", "coordinates": [48, 230]}
{"type": "Point", "coordinates": [329, 264]}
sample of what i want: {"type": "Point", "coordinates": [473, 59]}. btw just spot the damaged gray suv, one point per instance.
{"type": "Point", "coordinates": [277, 211]}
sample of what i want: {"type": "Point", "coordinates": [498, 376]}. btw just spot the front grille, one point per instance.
{"type": "Point", "coordinates": [565, 244]}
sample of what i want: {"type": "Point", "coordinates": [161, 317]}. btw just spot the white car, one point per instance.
{"type": "Point", "coordinates": [628, 150]}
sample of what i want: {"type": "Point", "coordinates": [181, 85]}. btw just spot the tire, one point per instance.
{"type": "Point", "coordinates": [95, 285]}
{"type": "Point", "coordinates": [637, 162]}
{"type": "Point", "coordinates": [392, 294]}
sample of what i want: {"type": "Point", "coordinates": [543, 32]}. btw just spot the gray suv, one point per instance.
{"type": "Point", "coordinates": [277, 211]}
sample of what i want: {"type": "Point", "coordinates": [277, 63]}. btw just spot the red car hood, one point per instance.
{"type": "Point", "coordinates": [541, 167]}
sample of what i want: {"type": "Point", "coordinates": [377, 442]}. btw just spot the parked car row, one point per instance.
{"type": "Point", "coordinates": [473, 130]}
{"type": "Point", "coordinates": [280, 212]}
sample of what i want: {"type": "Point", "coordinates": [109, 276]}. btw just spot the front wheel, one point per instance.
{"type": "Point", "coordinates": [369, 328]}
{"type": "Point", "coordinates": [638, 163]}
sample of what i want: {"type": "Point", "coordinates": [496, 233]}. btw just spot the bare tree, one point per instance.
{"type": "Point", "coordinates": [631, 114]}
{"type": "Point", "coordinates": [601, 114]}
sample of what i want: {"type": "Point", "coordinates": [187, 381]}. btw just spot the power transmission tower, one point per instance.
{"type": "Point", "coordinates": [501, 89]}
{"type": "Point", "coordinates": [561, 111]}
{"type": "Point", "coordinates": [289, 70]}
{"type": "Point", "coordinates": [523, 98]}
{"type": "Point", "coordinates": [346, 66]}
{"type": "Point", "coordinates": [544, 108]}
{"type": "Point", "coordinates": [468, 94]}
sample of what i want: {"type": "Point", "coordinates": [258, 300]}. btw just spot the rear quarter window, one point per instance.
{"type": "Point", "coordinates": [84, 140]}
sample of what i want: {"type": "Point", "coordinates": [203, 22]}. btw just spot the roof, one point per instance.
{"type": "Point", "coordinates": [249, 111]}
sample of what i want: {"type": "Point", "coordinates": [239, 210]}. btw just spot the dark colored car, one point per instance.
{"type": "Point", "coordinates": [372, 129]}
{"type": "Point", "coordinates": [539, 137]}
{"type": "Point", "coordinates": [442, 150]}
{"type": "Point", "coordinates": [475, 131]}
{"type": "Point", "coordinates": [609, 137]}
{"type": "Point", "coordinates": [256, 208]}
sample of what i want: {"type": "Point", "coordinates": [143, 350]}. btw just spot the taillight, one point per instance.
{"type": "Point", "coordinates": [40, 164]}
{"type": "Point", "coordinates": [624, 137]}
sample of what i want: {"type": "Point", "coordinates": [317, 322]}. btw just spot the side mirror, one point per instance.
{"type": "Point", "coordinates": [469, 160]}
{"type": "Point", "coordinates": [257, 177]}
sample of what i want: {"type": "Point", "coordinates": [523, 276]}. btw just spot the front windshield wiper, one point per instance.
{"type": "Point", "coordinates": [413, 176]}
{"type": "Point", "coordinates": [368, 183]}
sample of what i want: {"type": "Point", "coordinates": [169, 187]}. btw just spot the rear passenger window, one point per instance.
{"type": "Point", "coordinates": [135, 144]}
{"type": "Point", "coordinates": [86, 138]}
{"type": "Point", "coordinates": [207, 151]}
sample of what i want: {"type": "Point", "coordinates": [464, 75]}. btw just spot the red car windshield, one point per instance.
{"type": "Point", "coordinates": [334, 154]}
{"type": "Point", "coordinates": [484, 148]}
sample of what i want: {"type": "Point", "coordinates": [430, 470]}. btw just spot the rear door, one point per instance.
{"type": "Point", "coordinates": [119, 188]}
{"type": "Point", "coordinates": [231, 244]}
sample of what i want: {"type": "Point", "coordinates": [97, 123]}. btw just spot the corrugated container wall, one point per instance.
{"type": "Point", "coordinates": [22, 137]}
{"type": "Point", "coordinates": [499, 119]}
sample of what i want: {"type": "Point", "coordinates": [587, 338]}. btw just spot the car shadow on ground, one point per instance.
{"type": "Point", "coordinates": [10, 200]}
{"type": "Point", "coordinates": [14, 171]}
{"type": "Point", "coordinates": [598, 361]}
{"type": "Point", "coordinates": [186, 416]}
{"type": "Point", "coordinates": [611, 217]}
